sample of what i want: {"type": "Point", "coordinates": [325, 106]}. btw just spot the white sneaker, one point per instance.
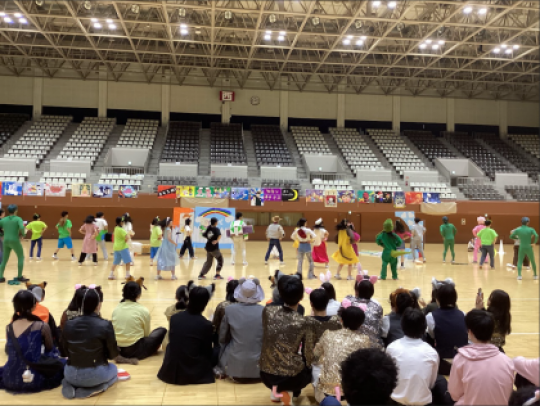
{"type": "Point", "coordinates": [38, 259]}
{"type": "Point", "coordinates": [327, 266]}
{"type": "Point", "coordinates": [535, 277]}
{"type": "Point", "coordinates": [30, 258]}
{"type": "Point", "coordinates": [173, 278]}
{"type": "Point", "coordinates": [158, 277]}
{"type": "Point", "coordinates": [73, 259]}
{"type": "Point", "coordinates": [111, 277]}
{"type": "Point", "coordinates": [519, 278]}
{"type": "Point", "coordinates": [245, 263]}
{"type": "Point", "coordinates": [337, 276]}
{"type": "Point", "coordinates": [266, 262]}
{"type": "Point", "coordinates": [528, 268]}
{"type": "Point", "coordinates": [55, 256]}
{"type": "Point", "coordinates": [402, 267]}
{"type": "Point", "coordinates": [349, 278]}
{"type": "Point", "coordinates": [282, 263]}
{"type": "Point", "coordinates": [232, 262]}
{"type": "Point", "coordinates": [151, 263]}
{"type": "Point", "coordinates": [509, 265]}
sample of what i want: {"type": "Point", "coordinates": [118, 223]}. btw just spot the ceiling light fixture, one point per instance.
{"type": "Point", "coordinates": [482, 11]}
{"type": "Point", "coordinates": [349, 37]}
{"type": "Point", "coordinates": [428, 41]}
{"type": "Point", "coordinates": [112, 26]}
{"type": "Point", "coordinates": [363, 37]}
{"type": "Point", "coordinates": [109, 21]}
{"type": "Point", "coordinates": [467, 10]}
{"type": "Point", "coordinates": [135, 8]}
{"type": "Point", "coordinates": [359, 42]}
{"type": "Point", "coordinates": [315, 20]}
{"type": "Point", "coordinates": [18, 15]}
{"type": "Point", "coordinates": [97, 25]}
{"type": "Point", "coordinates": [496, 50]}
{"type": "Point", "coordinates": [8, 20]}
{"type": "Point", "coordinates": [94, 20]}
{"type": "Point", "coordinates": [503, 46]}
{"type": "Point", "coordinates": [358, 24]}
{"type": "Point", "coordinates": [376, 4]}
{"type": "Point", "coordinates": [23, 20]}
{"type": "Point", "coordinates": [280, 38]}
{"type": "Point", "coordinates": [272, 18]}
{"type": "Point", "coordinates": [183, 31]}
{"type": "Point", "coordinates": [88, 5]}
{"type": "Point", "coordinates": [183, 26]}
{"type": "Point", "coordinates": [435, 46]}
{"type": "Point", "coordinates": [423, 46]}
{"type": "Point", "coordinates": [39, 3]}
{"type": "Point", "coordinates": [346, 42]}
{"type": "Point", "coordinates": [228, 15]}
{"type": "Point", "coordinates": [515, 46]}
{"type": "Point", "coordinates": [441, 42]}
{"type": "Point", "coordinates": [268, 32]}
{"type": "Point", "coordinates": [267, 37]}
{"type": "Point", "coordinates": [508, 51]}
{"type": "Point", "coordinates": [2, 14]}
{"type": "Point", "coordinates": [282, 33]}
{"type": "Point", "coordinates": [392, 4]}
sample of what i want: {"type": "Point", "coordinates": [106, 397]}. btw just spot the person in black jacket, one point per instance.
{"type": "Point", "coordinates": [89, 342]}
{"type": "Point", "coordinates": [188, 358]}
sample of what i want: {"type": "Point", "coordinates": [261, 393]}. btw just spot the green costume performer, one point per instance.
{"type": "Point", "coordinates": [13, 230]}
{"type": "Point", "coordinates": [389, 241]}
{"type": "Point", "coordinates": [525, 234]}
{"type": "Point", "coordinates": [448, 232]}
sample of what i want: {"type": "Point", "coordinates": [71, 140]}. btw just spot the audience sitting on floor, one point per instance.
{"type": "Point", "coordinates": [38, 290]}
{"type": "Point", "coordinates": [180, 305]}
{"type": "Point", "coordinates": [400, 300]}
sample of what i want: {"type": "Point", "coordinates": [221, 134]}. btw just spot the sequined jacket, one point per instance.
{"type": "Point", "coordinates": [284, 331]}
{"type": "Point", "coordinates": [332, 349]}
{"type": "Point", "coordinates": [316, 329]}
{"type": "Point", "coordinates": [374, 318]}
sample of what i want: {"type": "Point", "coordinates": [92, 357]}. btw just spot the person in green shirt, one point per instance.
{"type": "Point", "coordinates": [525, 235]}
{"type": "Point", "coordinates": [389, 241]}
{"type": "Point", "coordinates": [37, 227]}
{"type": "Point", "coordinates": [156, 237]}
{"type": "Point", "coordinates": [488, 238]}
{"type": "Point", "coordinates": [448, 232]}
{"type": "Point", "coordinates": [13, 232]}
{"type": "Point", "coordinates": [120, 248]}
{"type": "Point", "coordinates": [64, 235]}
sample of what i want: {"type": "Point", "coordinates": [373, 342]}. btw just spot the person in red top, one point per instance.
{"type": "Point", "coordinates": [402, 232]}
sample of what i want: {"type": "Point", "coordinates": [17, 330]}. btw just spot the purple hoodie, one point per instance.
{"type": "Point", "coordinates": [481, 375]}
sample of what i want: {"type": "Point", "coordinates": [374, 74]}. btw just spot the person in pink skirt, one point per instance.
{"type": "Point", "coordinates": [477, 243]}
{"type": "Point", "coordinates": [90, 231]}
{"type": "Point", "coordinates": [319, 253]}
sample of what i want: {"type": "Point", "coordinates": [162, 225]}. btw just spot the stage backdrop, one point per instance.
{"type": "Point", "coordinates": [203, 215]}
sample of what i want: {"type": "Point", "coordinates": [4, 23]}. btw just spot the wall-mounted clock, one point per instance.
{"type": "Point", "coordinates": [255, 100]}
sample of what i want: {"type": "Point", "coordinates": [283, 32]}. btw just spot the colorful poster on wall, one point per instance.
{"type": "Point", "coordinates": [102, 190]}
{"type": "Point", "coordinates": [290, 195]}
{"type": "Point", "coordinates": [222, 192]}
{"type": "Point", "coordinates": [383, 197]}
{"type": "Point", "coordinates": [204, 192]}
{"type": "Point", "coordinates": [432, 197]}
{"type": "Point", "coordinates": [272, 195]}
{"type": "Point", "coordinates": [185, 191]}
{"type": "Point", "coordinates": [181, 214]}
{"type": "Point", "coordinates": [399, 199]}
{"type": "Point", "coordinates": [346, 196]}
{"type": "Point", "coordinates": [366, 196]}
{"type": "Point", "coordinates": [33, 189]}
{"type": "Point", "coordinates": [256, 197]}
{"type": "Point", "coordinates": [81, 190]}
{"type": "Point", "coordinates": [12, 188]}
{"type": "Point", "coordinates": [330, 198]}
{"type": "Point", "coordinates": [128, 192]}
{"type": "Point", "coordinates": [240, 193]}
{"type": "Point", "coordinates": [225, 217]}
{"type": "Point", "coordinates": [314, 196]}
{"type": "Point", "coordinates": [414, 197]}
{"type": "Point", "coordinates": [55, 190]}
{"type": "Point", "coordinates": [166, 192]}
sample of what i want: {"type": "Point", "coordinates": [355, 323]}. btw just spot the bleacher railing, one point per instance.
{"type": "Point", "coordinates": [128, 170]}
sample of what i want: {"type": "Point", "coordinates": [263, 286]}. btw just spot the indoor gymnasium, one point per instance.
{"type": "Point", "coordinates": [256, 202]}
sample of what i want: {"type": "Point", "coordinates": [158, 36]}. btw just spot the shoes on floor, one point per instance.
{"type": "Point", "coordinates": [232, 262]}
{"type": "Point", "coordinates": [80, 263]}
{"type": "Point", "coordinates": [337, 276]}
{"type": "Point", "coordinates": [173, 278]}
{"type": "Point", "coordinates": [21, 279]}
{"type": "Point", "coordinates": [2, 280]}
{"type": "Point", "coordinates": [73, 259]}
{"type": "Point", "coordinates": [519, 278]}
{"type": "Point", "coordinates": [245, 263]}
{"type": "Point", "coordinates": [266, 262]}
{"type": "Point", "coordinates": [327, 266]}
{"type": "Point", "coordinates": [201, 277]}
{"type": "Point", "coordinates": [158, 277]}
{"type": "Point", "coordinates": [349, 278]}
{"type": "Point", "coordinates": [282, 263]}
{"type": "Point", "coordinates": [535, 277]}
{"type": "Point", "coordinates": [152, 262]}
{"type": "Point", "coordinates": [217, 276]}
{"type": "Point", "coordinates": [111, 277]}
{"type": "Point", "coordinates": [55, 256]}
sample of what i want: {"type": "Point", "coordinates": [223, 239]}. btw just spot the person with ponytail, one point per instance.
{"type": "Point", "coordinates": [345, 254]}
{"type": "Point", "coordinates": [132, 322]}
{"type": "Point", "coordinates": [156, 237]}
{"type": "Point", "coordinates": [64, 235]}
{"type": "Point", "coordinates": [37, 227]}
{"type": "Point", "coordinates": [13, 232]}
{"type": "Point", "coordinates": [90, 231]}
{"type": "Point", "coordinates": [179, 306]}
{"type": "Point", "coordinates": [89, 342]}
{"type": "Point", "coordinates": [34, 341]}
{"type": "Point", "coordinates": [166, 255]}
{"type": "Point", "coordinates": [121, 248]}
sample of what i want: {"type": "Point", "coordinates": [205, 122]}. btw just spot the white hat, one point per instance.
{"type": "Point", "coordinates": [319, 221]}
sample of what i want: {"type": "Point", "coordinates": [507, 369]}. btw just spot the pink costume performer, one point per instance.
{"type": "Point", "coordinates": [319, 253]}
{"type": "Point", "coordinates": [477, 242]}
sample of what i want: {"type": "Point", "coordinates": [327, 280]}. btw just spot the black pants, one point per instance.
{"type": "Point", "coordinates": [444, 367]}
{"type": "Point", "coordinates": [210, 255]}
{"type": "Point", "coordinates": [293, 384]}
{"type": "Point", "coordinates": [146, 346]}
{"type": "Point", "coordinates": [274, 242]}
{"type": "Point", "coordinates": [488, 249]}
{"type": "Point", "coordinates": [187, 246]}
{"type": "Point", "coordinates": [83, 257]}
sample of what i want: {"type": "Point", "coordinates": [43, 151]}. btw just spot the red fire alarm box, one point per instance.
{"type": "Point", "coordinates": [225, 95]}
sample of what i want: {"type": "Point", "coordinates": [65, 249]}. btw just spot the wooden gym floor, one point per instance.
{"type": "Point", "coordinates": [144, 386]}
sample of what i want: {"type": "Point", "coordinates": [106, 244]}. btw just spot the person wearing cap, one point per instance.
{"type": "Point", "coordinates": [241, 331]}
{"type": "Point", "coordinates": [320, 255]}
{"type": "Point", "coordinates": [238, 238]}
{"type": "Point", "coordinates": [525, 235]}
{"type": "Point", "coordinates": [389, 241]}
{"type": "Point", "coordinates": [13, 232]}
{"type": "Point", "coordinates": [274, 235]}
{"type": "Point", "coordinates": [448, 233]}
{"type": "Point", "coordinates": [488, 238]}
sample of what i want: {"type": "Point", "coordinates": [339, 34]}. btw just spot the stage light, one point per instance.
{"type": "Point", "coordinates": [346, 41]}
{"type": "Point", "coordinates": [97, 25]}
{"type": "Point", "coordinates": [482, 11]}
{"type": "Point", "coordinates": [267, 37]}
{"type": "Point", "coordinates": [392, 5]}
{"type": "Point", "coordinates": [467, 10]}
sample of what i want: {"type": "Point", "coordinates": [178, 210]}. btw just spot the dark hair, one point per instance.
{"type": "Point", "coordinates": [127, 218]}
{"type": "Point", "coordinates": [399, 228]}
{"type": "Point", "coordinates": [319, 299]}
{"type": "Point", "coordinates": [342, 225]}
{"type": "Point", "coordinates": [487, 223]}
{"type": "Point", "coordinates": [89, 219]}
{"type": "Point", "coordinates": [165, 222]}
{"type": "Point", "coordinates": [481, 323]}
{"type": "Point", "coordinates": [433, 295]}
{"type": "Point", "coordinates": [99, 214]}
{"type": "Point", "coordinates": [155, 221]}
{"type": "Point", "coordinates": [353, 317]}
{"type": "Point", "coordinates": [198, 299]}
{"type": "Point", "coordinates": [405, 301]}
{"type": "Point", "coordinates": [23, 303]}
{"type": "Point", "coordinates": [181, 297]}
{"type": "Point", "coordinates": [62, 221]}
{"type": "Point", "coordinates": [302, 222]}
{"type": "Point", "coordinates": [330, 291]}
{"type": "Point", "coordinates": [238, 215]}
{"type": "Point", "coordinates": [91, 300]}
{"type": "Point", "coordinates": [447, 296]}
{"type": "Point", "coordinates": [131, 291]}
{"type": "Point", "coordinates": [417, 220]}
{"type": "Point", "coordinates": [1, 211]}
{"type": "Point", "coordinates": [119, 221]}
{"type": "Point", "coordinates": [317, 226]}
{"type": "Point", "coordinates": [36, 216]}
{"type": "Point", "coordinates": [213, 221]}
{"type": "Point", "coordinates": [64, 214]}
{"type": "Point", "coordinates": [291, 290]}
{"type": "Point", "coordinates": [364, 289]}
{"type": "Point", "coordinates": [522, 395]}
{"type": "Point", "coordinates": [413, 323]}
{"type": "Point", "coordinates": [229, 290]}
{"type": "Point", "coordinates": [187, 222]}
{"type": "Point", "coordinates": [499, 307]}
{"type": "Point", "coordinates": [76, 301]}
{"type": "Point", "coordinates": [368, 377]}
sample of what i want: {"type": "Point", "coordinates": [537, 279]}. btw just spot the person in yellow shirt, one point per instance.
{"type": "Point", "coordinates": [37, 227]}
{"type": "Point", "coordinates": [156, 238]}
{"type": "Point", "coordinates": [131, 322]}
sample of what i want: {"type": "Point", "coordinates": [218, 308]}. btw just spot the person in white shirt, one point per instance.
{"type": "Point", "coordinates": [417, 363]}
{"type": "Point", "coordinates": [187, 245]}
{"type": "Point", "coordinates": [103, 227]}
{"type": "Point", "coordinates": [417, 239]}
{"type": "Point", "coordinates": [305, 237]}
{"type": "Point", "coordinates": [128, 227]}
{"type": "Point", "coordinates": [239, 239]}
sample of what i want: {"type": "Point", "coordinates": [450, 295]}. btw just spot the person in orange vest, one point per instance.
{"type": "Point", "coordinates": [41, 311]}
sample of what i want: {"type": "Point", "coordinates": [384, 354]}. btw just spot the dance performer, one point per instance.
{"type": "Point", "coordinates": [128, 227]}
{"type": "Point", "coordinates": [320, 255]}
{"type": "Point", "coordinates": [103, 227]}
{"type": "Point", "coordinates": [121, 249]}
{"type": "Point", "coordinates": [64, 235]}
{"type": "Point", "coordinates": [404, 235]}
{"type": "Point", "coordinates": [448, 232]}
{"type": "Point", "coordinates": [526, 262]}
{"type": "Point", "coordinates": [37, 227]}
{"type": "Point", "coordinates": [304, 236]}
{"type": "Point", "coordinates": [488, 238]}
{"type": "Point", "coordinates": [274, 235]}
{"type": "Point", "coordinates": [356, 237]}
{"type": "Point", "coordinates": [212, 235]}
{"type": "Point", "coordinates": [345, 254]}
{"type": "Point", "coordinates": [477, 244]}
{"type": "Point", "coordinates": [166, 255]}
{"type": "Point", "coordinates": [524, 234]}
{"type": "Point", "coordinates": [389, 241]}
{"type": "Point", "coordinates": [417, 239]}
{"type": "Point", "coordinates": [13, 232]}
{"type": "Point", "coordinates": [187, 245]}
{"type": "Point", "coordinates": [156, 238]}
{"type": "Point", "coordinates": [90, 231]}
{"type": "Point", "coordinates": [2, 215]}
{"type": "Point", "coordinates": [238, 238]}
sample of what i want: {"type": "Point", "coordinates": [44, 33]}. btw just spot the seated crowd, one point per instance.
{"type": "Point", "coordinates": [418, 354]}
